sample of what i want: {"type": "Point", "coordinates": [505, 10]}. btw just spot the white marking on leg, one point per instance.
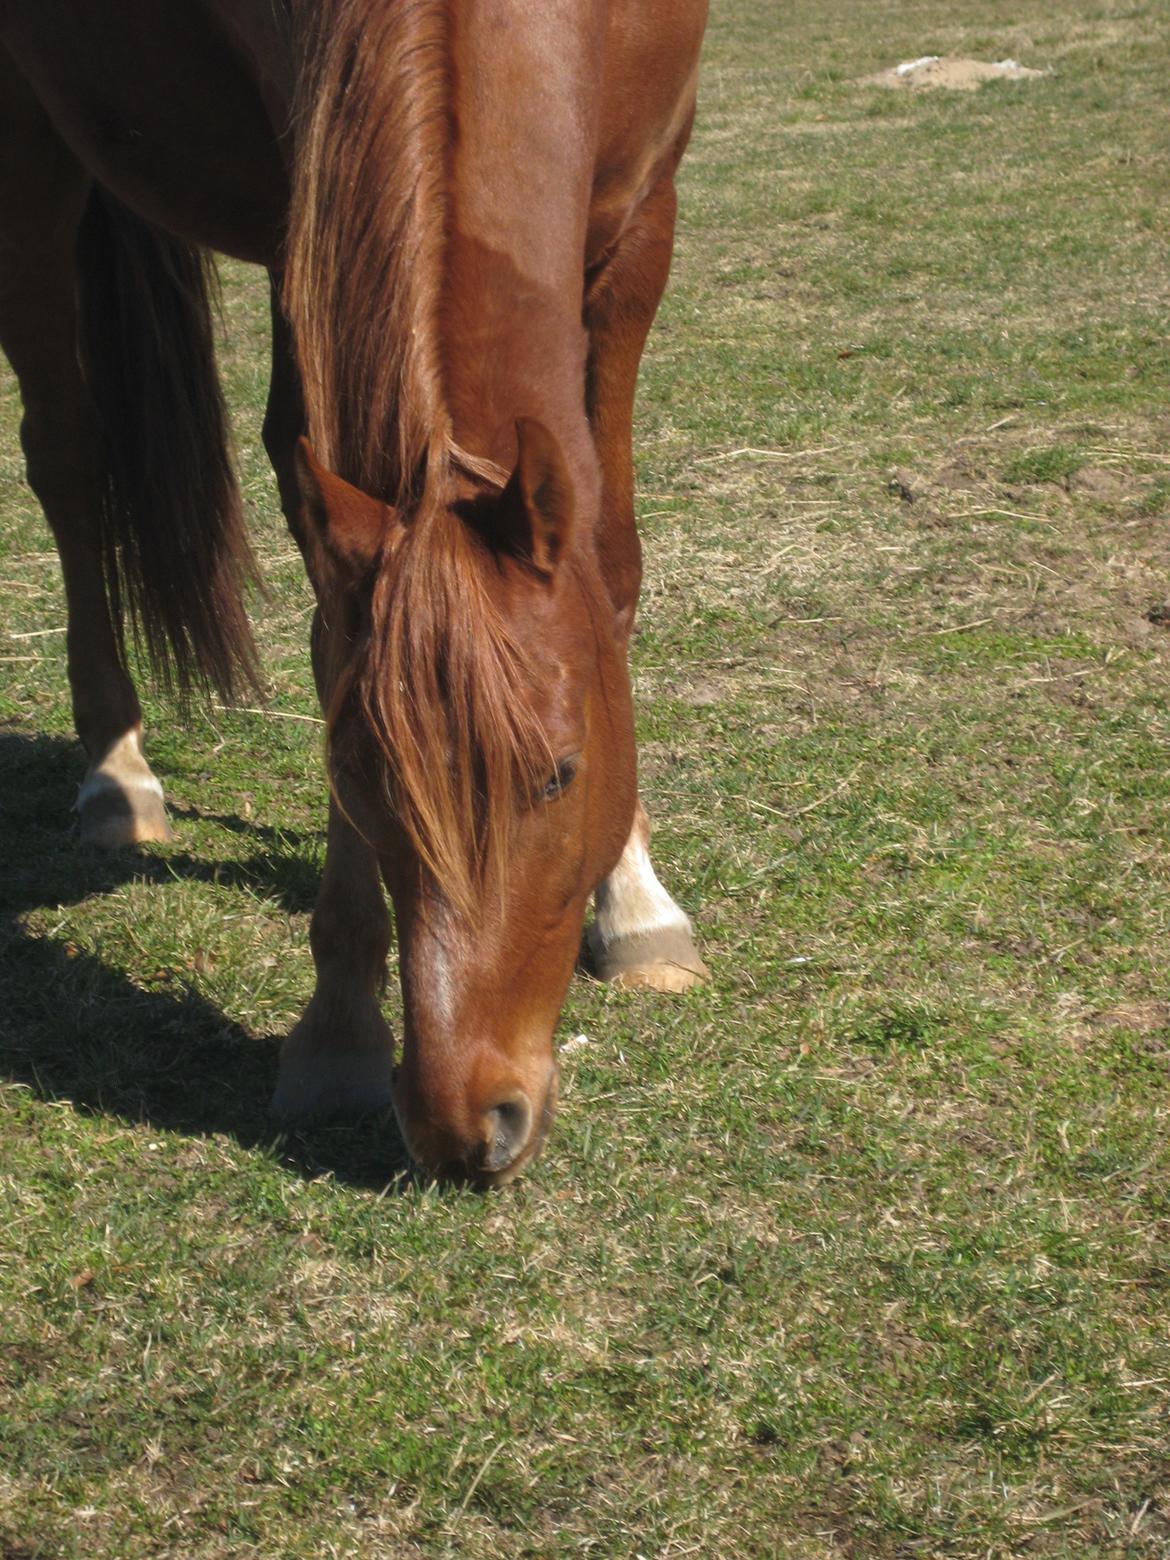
{"type": "Point", "coordinates": [631, 901]}
{"type": "Point", "coordinates": [120, 768]}
{"type": "Point", "coordinates": [120, 802]}
{"type": "Point", "coordinates": [98, 782]}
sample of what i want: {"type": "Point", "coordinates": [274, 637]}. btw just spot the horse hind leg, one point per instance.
{"type": "Point", "coordinates": [43, 194]}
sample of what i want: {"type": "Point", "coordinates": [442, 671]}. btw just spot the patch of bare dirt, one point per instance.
{"type": "Point", "coordinates": [823, 125]}
{"type": "Point", "coordinates": [958, 475]}
{"type": "Point", "coordinates": [958, 75]}
{"type": "Point", "coordinates": [1101, 484]}
{"type": "Point", "coordinates": [1143, 1018]}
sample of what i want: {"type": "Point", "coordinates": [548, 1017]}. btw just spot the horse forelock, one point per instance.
{"type": "Point", "coordinates": [442, 685]}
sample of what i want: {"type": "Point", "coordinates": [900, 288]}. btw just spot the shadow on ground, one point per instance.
{"type": "Point", "coordinates": [75, 1029]}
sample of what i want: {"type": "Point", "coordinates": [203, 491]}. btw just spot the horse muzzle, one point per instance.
{"type": "Point", "coordinates": [475, 1135]}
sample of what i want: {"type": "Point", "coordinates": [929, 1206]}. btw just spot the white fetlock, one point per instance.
{"type": "Point", "coordinates": [640, 937]}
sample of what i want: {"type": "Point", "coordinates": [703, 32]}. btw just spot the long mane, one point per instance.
{"type": "Point", "coordinates": [436, 675]}
{"type": "Point", "coordinates": [366, 238]}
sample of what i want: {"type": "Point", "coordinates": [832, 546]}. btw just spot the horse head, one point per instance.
{"type": "Point", "coordinates": [481, 741]}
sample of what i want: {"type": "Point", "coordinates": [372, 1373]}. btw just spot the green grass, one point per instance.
{"type": "Point", "coordinates": [1056, 464]}
{"type": "Point", "coordinates": [864, 1250]}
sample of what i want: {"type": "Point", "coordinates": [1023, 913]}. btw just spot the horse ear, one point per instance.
{"type": "Point", "coordinates": [536, 508]}
{"type": "Point", "coordinates": [347, 528]}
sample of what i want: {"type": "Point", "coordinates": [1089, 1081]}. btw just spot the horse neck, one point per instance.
{"type": "Point", "coordinates": [527, 85]}
{"type": "Point", "coordinates": [434, 281]}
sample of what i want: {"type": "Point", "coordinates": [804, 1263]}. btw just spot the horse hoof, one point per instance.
{"type": "Point", "coordinates": [664, 959]}
{"type": "Point", "coordinates": [115, 813]}
{"type": "Point", "coordinates": [120, 801]}
{"type": "Point", "coordinates": [323, 1075]}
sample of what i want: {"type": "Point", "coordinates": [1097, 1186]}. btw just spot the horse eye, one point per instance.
{"type": "Point", "coordinates": [566, 772]}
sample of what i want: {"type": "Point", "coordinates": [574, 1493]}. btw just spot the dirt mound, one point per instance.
{"type": "Point", "coordinates": [947, 70]}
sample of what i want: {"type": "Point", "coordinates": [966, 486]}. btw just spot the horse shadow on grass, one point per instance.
{"type": "Point", "coordinates": [74, 1029]}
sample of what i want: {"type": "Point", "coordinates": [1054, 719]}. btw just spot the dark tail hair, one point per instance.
{"type": "Point", "coordinates": [174, 549]}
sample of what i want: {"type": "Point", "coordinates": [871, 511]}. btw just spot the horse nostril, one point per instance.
{"type": "Point", "coordinates": [508, 1128]}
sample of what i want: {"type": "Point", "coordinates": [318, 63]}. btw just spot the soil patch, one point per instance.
{"type": "Point", "coordinates": [1100, 484]}
{"type": "Point", "coordinates": [948, 70]}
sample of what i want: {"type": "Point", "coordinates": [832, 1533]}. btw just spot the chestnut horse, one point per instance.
{"type": "Point", "coordinates": [466, 208]}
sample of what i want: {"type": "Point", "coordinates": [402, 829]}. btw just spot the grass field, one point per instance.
{"type": "Point", "coordinates": [864, 1249]}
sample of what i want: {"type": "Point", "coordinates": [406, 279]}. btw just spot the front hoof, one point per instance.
{"type": "Point", "coordinates": [332, 1070]}
{"type": "Point", "coordinates": [664, 959]}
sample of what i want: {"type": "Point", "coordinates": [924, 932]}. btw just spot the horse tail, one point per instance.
{"type": "Point", "coordinates": [175, 554]}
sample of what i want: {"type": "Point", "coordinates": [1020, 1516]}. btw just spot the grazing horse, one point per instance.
{"type": "Point", "coordinates": [466, 208]}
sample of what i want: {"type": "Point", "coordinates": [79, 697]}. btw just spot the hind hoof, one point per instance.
{"type": "Point", "coordinates": [114, 813]}
{"type": "Point", "coordinates": [120, 801]}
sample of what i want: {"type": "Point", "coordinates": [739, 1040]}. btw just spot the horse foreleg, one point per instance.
{"type": "Point", "coordinates": [339, 1059]}
{"type": "Point", "coordinates": [43, 192]}
{"type": "Point", "coordinates": [639, 937]}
